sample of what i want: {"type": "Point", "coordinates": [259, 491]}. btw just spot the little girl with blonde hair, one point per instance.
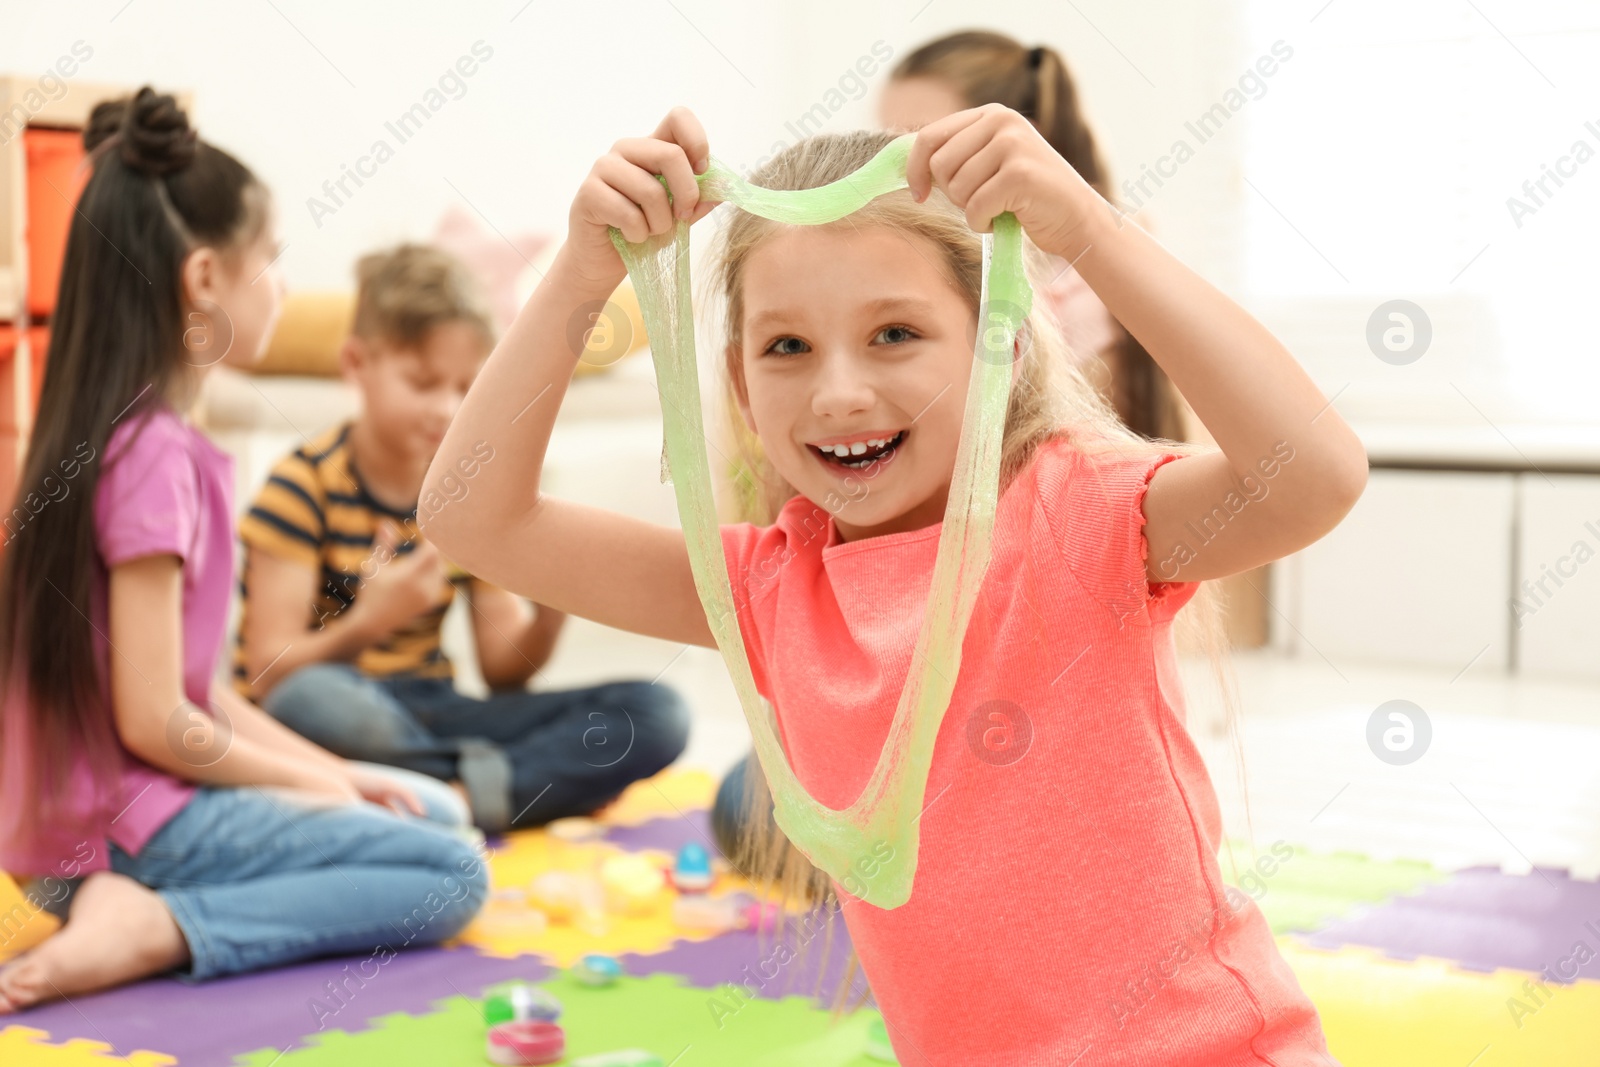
{"type": "Point", "coordinates": [1068, 906]}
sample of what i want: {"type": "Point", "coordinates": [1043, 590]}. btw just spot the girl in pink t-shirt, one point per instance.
{"type": "Point", "coordinates": [189, 830]}
{"type": "Point", "coordinates": [1068, 906]}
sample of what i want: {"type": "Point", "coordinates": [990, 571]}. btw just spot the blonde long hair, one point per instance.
{"type": "Point", "coordinates": [1050, 397]}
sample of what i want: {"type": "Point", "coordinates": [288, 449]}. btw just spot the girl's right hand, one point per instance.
{"type": "Point", "coordinates": [622, 191]}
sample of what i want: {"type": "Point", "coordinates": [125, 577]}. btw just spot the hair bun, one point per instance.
{"type": "Point", "coordinates": [104, 121]}
{"type": "Point", "coordinates": [155, 135]}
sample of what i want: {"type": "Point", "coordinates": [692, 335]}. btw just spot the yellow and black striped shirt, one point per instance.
{"type": "Point", "coordinates": [314, 509]}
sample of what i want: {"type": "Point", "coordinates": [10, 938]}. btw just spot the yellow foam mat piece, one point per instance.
{"type": "Point", "coordinates": [21, 924]}
{"type": "Point", "coordinates": [501, 929]}
{"type": "Point", "coordinates": [22, 1046]}
{"type": "Point", "coordinates": [1381, 1012]}
{"type": "Point", "coordinates": [671, 794]}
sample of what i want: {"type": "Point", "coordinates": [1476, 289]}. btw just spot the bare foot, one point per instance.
{"type": "Point", "coordinates": [117, 931]}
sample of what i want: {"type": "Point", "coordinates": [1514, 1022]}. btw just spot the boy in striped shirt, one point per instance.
{"type": "Point", "coordinates": [343, 600]}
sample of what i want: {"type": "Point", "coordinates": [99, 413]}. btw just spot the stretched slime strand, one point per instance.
{"type": "Point", "coordinates": [848, 844]}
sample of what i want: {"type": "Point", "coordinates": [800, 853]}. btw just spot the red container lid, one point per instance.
{"type": "Point", "coordinates": [531, 1042]}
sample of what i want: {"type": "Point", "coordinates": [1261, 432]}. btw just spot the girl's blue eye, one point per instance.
{"type": "Point", "coordinates": [773, 347]}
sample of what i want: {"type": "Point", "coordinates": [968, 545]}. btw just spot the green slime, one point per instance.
{"type": "Point", "coordinates": [849, 845]}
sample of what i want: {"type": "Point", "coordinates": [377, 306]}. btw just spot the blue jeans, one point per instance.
{"type": "Point", "coordinates": [255, 879]}
{"type": "Point", "coordinates": [440, 804]}
{"type": "Point", "coordinates": [524, 757]}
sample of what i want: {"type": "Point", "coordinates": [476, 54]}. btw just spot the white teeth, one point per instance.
{"type": "Point", "coordinates": [859, 448]}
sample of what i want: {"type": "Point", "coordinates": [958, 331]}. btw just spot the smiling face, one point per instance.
{"type": "Point", "coordinates": [857, 339]}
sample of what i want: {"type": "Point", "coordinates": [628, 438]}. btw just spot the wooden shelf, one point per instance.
{"type": "Point", "coordinates": [10, 294]}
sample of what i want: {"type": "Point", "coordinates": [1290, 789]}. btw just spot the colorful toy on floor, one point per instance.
{"type": "Point", "coordinates": [556, 894]}
{"type": "Point", "coordinates": [597, 970]}
{"type": "Point", "coordinates": [574, 829]}
{"type": "Point", "coordinates": [526, 1043]}
{"type": "Point", "coordinates": [510, 913]}
{"type": "Point", "coordinates": [576, 898]}
{"type": "Point", "coordinates": [759, 915]}
{"type": "Point", "coordinates": [632, 883]}
{"type": "Point", "coordinates": [519, 1002]}
{"type": "Point", "coordinates": [697, 911]}
{"type": "Point", "coordinates": [691, 873]}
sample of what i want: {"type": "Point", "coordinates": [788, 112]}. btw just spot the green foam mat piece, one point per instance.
{"type": "Point", "coordinates": [1309, 890]}
{"type": "Point", "coordinates": [721, 1027]}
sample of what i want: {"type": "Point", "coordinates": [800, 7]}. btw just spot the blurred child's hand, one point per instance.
{"type": "Point", "coordinates": [402, 586]}
{"type": "Point", "coordinates": [319, 786]}
{"type": "Point", "coordinates": [622, 191]}
{"type": "Point", "coordinates": [989, 160]}
{"type": "Point", "coordinates": [383, 791]}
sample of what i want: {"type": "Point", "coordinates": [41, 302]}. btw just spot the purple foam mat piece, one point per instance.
{"type": "Point", "coordinates": [1483, 919]}
{"type": "Point", "coordinates": [765, 965]}
{"type": "Point", "coordinates": [211, 1022]}
{"type": "Point", "coordinates": [668, 835]}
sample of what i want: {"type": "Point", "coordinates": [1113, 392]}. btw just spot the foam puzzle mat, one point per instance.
{"type": "Point", "coordinates": [1408, 962]}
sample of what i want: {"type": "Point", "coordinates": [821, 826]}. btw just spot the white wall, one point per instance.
{"type": "Point", "coordinates": [300, 89]}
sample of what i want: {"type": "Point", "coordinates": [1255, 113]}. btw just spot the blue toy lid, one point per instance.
{"type": "Point", "coordinates": [693, 857]}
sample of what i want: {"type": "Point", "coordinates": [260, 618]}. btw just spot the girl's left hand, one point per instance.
{"type": "Point", "coordinates": [990, 160]}
{"type": "Point", "coordinates": [383, 791]}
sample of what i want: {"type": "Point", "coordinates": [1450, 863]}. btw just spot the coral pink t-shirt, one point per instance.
{"type": "Point", "coordinates": [163, 489]}
{"type": "Point", "coordinates": [1068, 906]}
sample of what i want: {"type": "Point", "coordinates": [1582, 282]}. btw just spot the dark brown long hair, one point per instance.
{"type": "Point", "coordinates": [155, 193]}
{"type": "Point", "coordinates": [990, 68]}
